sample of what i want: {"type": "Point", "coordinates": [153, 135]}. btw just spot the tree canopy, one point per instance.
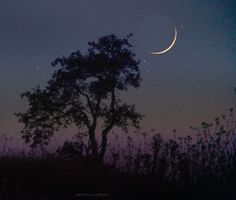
{"type": "Point", "coordinates": [85, 90]}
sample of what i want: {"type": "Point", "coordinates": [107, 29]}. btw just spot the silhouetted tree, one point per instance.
{"type": "Point", "coordinates": [85, 91]}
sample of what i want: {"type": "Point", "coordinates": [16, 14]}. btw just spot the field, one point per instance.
{"type": "Point", "coordinates": [198, 166]}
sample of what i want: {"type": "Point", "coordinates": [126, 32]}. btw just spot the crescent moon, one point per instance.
{"type": "Point", "coordinates": [167, 49]}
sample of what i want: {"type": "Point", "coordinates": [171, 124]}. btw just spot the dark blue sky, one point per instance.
{"type": "Point", "coordinates": [191, 83]}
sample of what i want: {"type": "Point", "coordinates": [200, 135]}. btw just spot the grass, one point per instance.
{"type": "Point", "coordinates": [199, 166]}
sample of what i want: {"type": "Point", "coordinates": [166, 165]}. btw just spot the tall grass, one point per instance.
{"type": "Point", "coordinates": [202, 162]}
{"type": "Point", "coordinates": [206, 156]}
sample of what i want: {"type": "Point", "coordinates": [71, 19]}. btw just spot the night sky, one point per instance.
{"type": "Point", "coordinates": [191, 83]}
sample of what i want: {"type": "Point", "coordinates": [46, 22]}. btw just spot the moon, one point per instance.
{"type": "Point", "coordinates": [167, 49]}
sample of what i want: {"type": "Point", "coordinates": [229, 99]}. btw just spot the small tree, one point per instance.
{"type": "Point", "coordinates": [85, 91]}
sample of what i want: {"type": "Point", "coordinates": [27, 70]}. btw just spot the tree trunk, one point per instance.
{"type": "Point", "coordinates": [104, 141]}
{"type": "Point", "coordinates": [94, 147]}
{"type": "Point", "coordinates": [103, 147]}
